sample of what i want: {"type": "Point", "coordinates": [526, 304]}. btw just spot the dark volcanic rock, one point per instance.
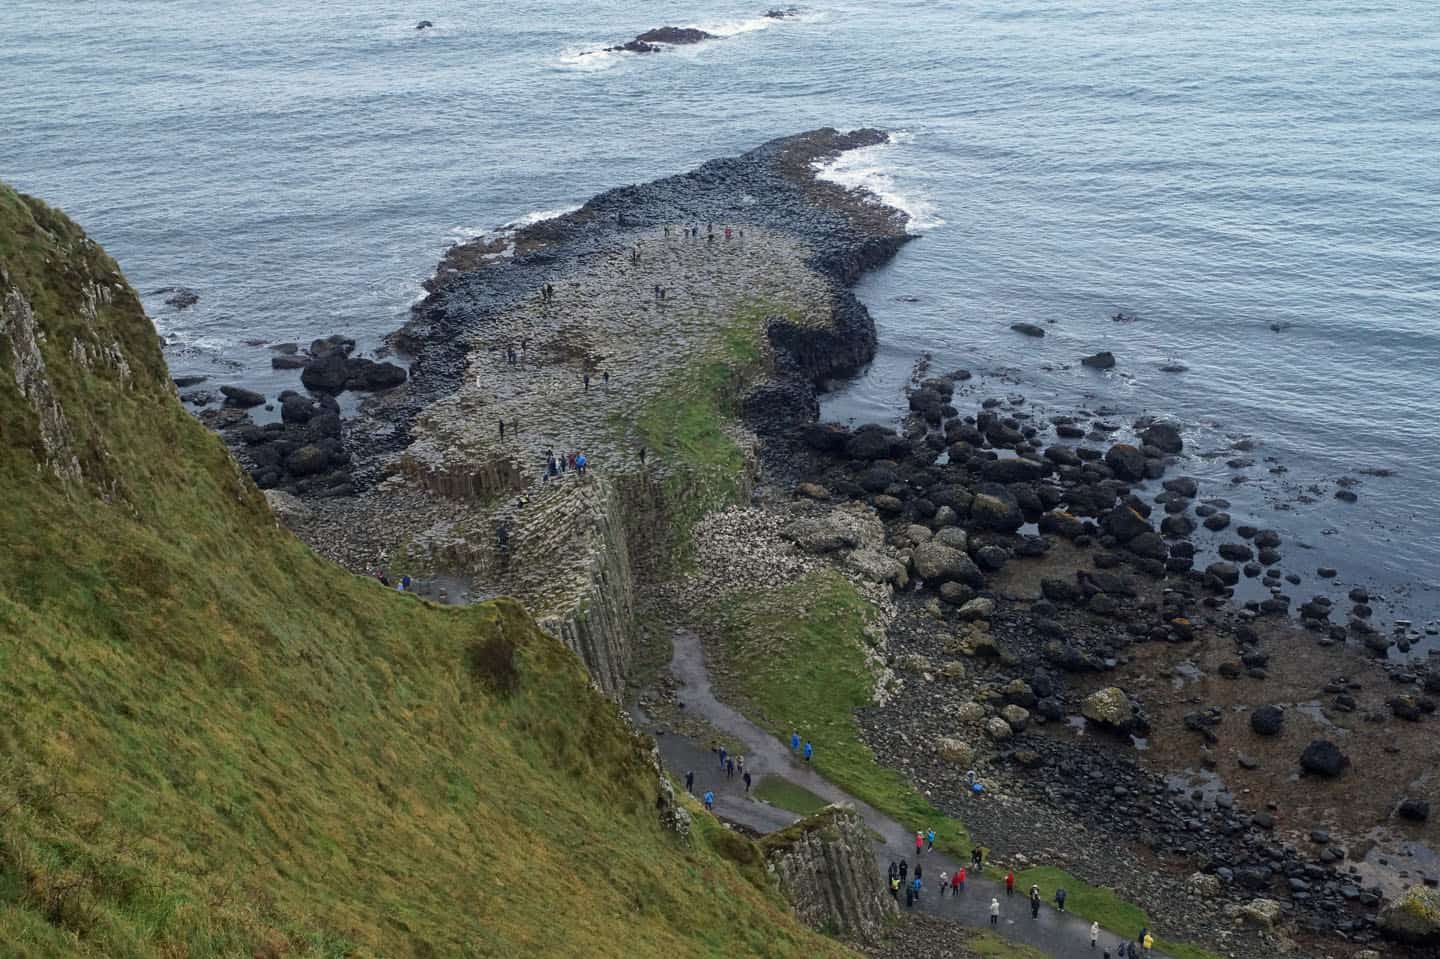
{"type": "Point", "coordinates": [1267, 720]}
{"type": "Point", "coordinates": [241, 397]}
{"type": "Point", "coordinates": [1126, 461]}
{"type": "Point", "coordinates": [1323, 758]}
{"type": "Point", "coordinates": [1100, 361]}
{"type": "Point", "coordinates": [1163, 437]}
{"type": "Point", "coordinates": [1028, 329]}
{"type": "Point", "coordinates": [327, 373]}
{"type": "Point", "coordinates": [1416, 810]}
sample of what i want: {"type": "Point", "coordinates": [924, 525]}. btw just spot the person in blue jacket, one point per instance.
{"type": "Point", "coordinates": [794, 742]}
{"type": "Point", "coordinates": [709, 799]}
{"type": "Point", "coordinates": [809, 750]}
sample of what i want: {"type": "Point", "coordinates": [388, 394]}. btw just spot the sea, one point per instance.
{"type": "Point", "coordinates": [1253, 186]}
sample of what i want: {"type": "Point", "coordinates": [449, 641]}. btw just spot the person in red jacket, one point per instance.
{"type": "Point", "coordinates": [957, 881]}
{"type": "Point", "coordinates": [1010, 883]}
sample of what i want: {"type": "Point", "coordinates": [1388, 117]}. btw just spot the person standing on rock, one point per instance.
{"type": "Point", "coordinates": [994, 912]}
{"type": "Point", "coordinates": [893, 871]}
{"type": "Point", "coordinates": [1010, 883]}
{"type": "Point", "coordinates": [690, 781]}
{"type": "Point", "coordinates": [809, 750]}
{"type": "Point", "coordinates": [929, 840]}
{"type": "Point", "coordinates": [746, 777]}
{"type": "Point", "coordinates": [727, 233]}
{"type": "Point", "coordinates": [1095, 935]}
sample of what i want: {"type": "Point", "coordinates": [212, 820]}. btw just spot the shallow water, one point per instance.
{"type": "Point", "coordinates": [1215, 169]}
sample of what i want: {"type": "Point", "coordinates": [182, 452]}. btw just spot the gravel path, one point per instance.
{"type": "Point", "coordinates": [1054, 933]}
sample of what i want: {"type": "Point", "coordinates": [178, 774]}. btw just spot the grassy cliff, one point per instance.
{"type": "Point", "coordinates": [216, 743]}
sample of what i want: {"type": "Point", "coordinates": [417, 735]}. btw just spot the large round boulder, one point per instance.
{"type": "Point", "coordinates": [1267, 720]}
{"type": "Point", "coordinates": [1323, 758]}
{"type": "Point", "coordinates": [995, 508]}
{"type": "Point", "coordinates": [1125, 524]}
{"type": "Point", "coordinates": [1163, 437]}
{"type": "Point", "coordinates": [957, 752]}
{"type": "Point", "coordinates": [1113, 709]}
{"type": "Point", "coordinates": [1413, 918]}
{"type": "Point", "coordinates": [1126, 462]}
{"type": "Point", "coordinates": [936, 562]}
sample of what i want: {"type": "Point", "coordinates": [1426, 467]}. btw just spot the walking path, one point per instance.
{"type": "Point", "coordinates": [1054, 933]}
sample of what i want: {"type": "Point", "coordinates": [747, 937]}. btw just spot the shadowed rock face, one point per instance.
{"type": "Point", "coordinates": [826, 867]}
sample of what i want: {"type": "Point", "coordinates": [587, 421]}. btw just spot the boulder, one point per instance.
{"type": "Point", "coordinates": [971, 712]}
{"type": "Point", "coordinates": [240, 397]}
{"type": "Point", "coordinates": [956, 752]}
{"type": "Point", "coordinates": [327, 373]}
{"type": "Point", "coordinates": [812, 491]}
{"type": "Point", "coordinates": [1164, 438]}
{"type": "Point", "coordinates": [936, 562]}
{"type": "Point", "coordinates": [995, 508]}
{"type": "Point", "coordinates": [1413, 918]}
{"type": "Point", "coordinates": [1415, 810]}
{"type": "Point", "coordinates": [1112, 708]}
{"type": "Point", "coordinates": [1017, 716]}
{"type": "Point", "coordinates": [1267, 720]}
{"type": "Point", "coordinates": [1103, 360]}
{"type": "Point", "coordinates": [1125, 524]}
{"type": "Point", "coordinates": [820, 535]}
{"type": "Point", "coordinates": [1262, 912]}
{"type": "Point", "coordinates": [998, 729]}
{"type": "Point", "coordinates": [979, 608]}
{"type": "Point", "coordinates": [1014, 470]}
{"type": "Point", "coordinates": [1203, 886]}
{"type": "Point", "coordinates": [1227, 573]}
{"type": "Point", "coordinates": [369, 375]}
{"type": "Point", "coordinates": [1028, 329]}
{"type": "Point", "coordinates": [1323, 758]}
{"type": "Point", "coordinates": [877, 567]}
{"type": "Point", "coordinates": [307, 461]}
{"type": "Point", "coordinates": [674, 35]}
{"type": "Point", "coordinates": [1126, 462]}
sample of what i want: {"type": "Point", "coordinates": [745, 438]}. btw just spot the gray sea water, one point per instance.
{"type": "Point", "coordinates": [1256, 181]}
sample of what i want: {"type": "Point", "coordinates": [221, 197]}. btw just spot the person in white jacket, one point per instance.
{"type": "Point", "coordinates": [1094, 934]}
{"type": "Point", "coordinates": [994, 912]}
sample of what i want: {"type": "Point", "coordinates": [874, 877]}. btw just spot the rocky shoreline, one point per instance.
{"type": "Point", "coordinates": [1046, 616]}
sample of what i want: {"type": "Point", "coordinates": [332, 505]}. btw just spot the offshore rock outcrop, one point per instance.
{"type": "Point", "coordinates": [825, 865]}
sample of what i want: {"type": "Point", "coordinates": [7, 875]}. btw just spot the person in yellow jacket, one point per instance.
{"type": "Point", "coordinates": [1149, 943]}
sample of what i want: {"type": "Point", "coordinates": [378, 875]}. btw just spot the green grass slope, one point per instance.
{"type": "Point", "coordinates": [215, 743]}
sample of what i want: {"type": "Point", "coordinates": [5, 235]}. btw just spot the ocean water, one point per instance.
{"type": "Point", "coordinates": [1255, 181]}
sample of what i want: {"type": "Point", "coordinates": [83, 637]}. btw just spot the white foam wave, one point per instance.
{"type": "Point", "coordinates": [538, 216]}
{"type": "Point", "coordinates": [588, 60]}
{"type": "Point", "coordinates": [874, 168]}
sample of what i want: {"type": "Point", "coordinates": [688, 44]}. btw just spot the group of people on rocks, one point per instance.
{"type": "Point", "coordinates": [574, 462]}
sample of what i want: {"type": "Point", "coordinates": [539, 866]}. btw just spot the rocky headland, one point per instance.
{"type": "Point", "coordinates": [1246, 768]}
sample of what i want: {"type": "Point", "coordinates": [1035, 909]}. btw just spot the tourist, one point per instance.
{"type": "Point", "coordinates": [709, 799]}
{"type": "Point", "coordinates": [587, 382]}
{"type": "Point", "coordinates": [605, 376]}
{"type": "Point", "coordinates": [657, 291]}
{"type": "Point", "coordinates": [1010, 883]}
{"type": "Point", "coordinates": [893, 871]}
{"type": "Point", "coordinates": [727, 233]}
{"type": "Point", "coordinates": [746, 777]}
{"type": "Point", "coordinates": [919, 842]}
{"type": "Point", "coordinates": [1149, 943]}
{"type": "Point", "coordinates": [929, 840]}
{"type": "Point", "coordinates": [809, 750]}
{"type": "Point", "coordinates": [384, 579]}
{"type": "Point", "coordinates": [729, 769]}
{"type": "Point", "coordinates": [1130, 951]}
{"type": "Point", "coordinates": [977, 857]}
{"type": "Point", "coordinates": [909, 893]}
{"type": "Point", "coordinates": [1034, 902]}
{"type": "Point", "coordinates": [944, 882]}
{"type": "Point", "coordinates": [502, 429]}
{"type": "Point", "coordinates": [690, 781]}
{"type": "Point", "coordinates": [919, 870]}
{"type": "Point", "coordinates": [740, 763]}
{"type": "Point", "coordinates": [1095, 935]}
{"type": "Point", "coordinates": [580, 463]}
{"type": "Point", "coordinates": [794, 742]}
{"type": "Point", "coordinates": [959, 880]}
{"type": "Point", "coordinates": [502, 537]}
{"type": "Point", "coordinates": [404, 584]}
{"type": "Point", "coordinates": [642, 456]}
{"type": "Point", "coordinates": [895, 888]}
{"type": "Point", "coordinates": [994, 912]}
{"type": "Point", "coordinates": [915, 883]}
{"type": "Point", "coordinates": [1060, 899]}
{"type": "Point", "coordinates": [723, 756]}
{"type": "Point", "coordinates": [904, 868]}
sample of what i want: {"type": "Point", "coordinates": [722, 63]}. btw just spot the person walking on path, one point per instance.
{"type": "Point", "coordinates": [1010, 883]}
{"type": "Point", "coordinates": [502, 429]}
{"type": "Point", "coordinates": [722, 757]}
{"type": "Point", "coordinates": [1060, 899]}
{"type": "Point", "coordinates": [580, 463]}
{"type": "Point", "coordinates": [915, 884]}
{"type": "Point", "coordinates": [977, 857]}
{"type": "Point", "coordinates": [893, 871]}
{"type": "Point", "coordinates": [729, 769]}
{"type": "Point", "coordinates": [740, 763]}
{"type": "Point", "coordinates": [1034, 902]}
{"type": "Point", "coordinates": [587, 382]}
{"type": "Point", "coordinates": [904, 868]}
{"type": "Point", "coordinates": [895, 888]}
{"type": "Point", "coordinates": [605, 376]}
{"type": "Point", "coordinates": [709, 799]}
{"type": "Point", "coordinates": [1149, 944]}
{"type": "Point", "coordinates": [944, 881]}
{"type": "Point", "coordinates": [909, 893]}
{"type": "Point", "coordinates": [929, 840]}
{"type": "Point", "coordinates": [994, 912]}
{"type": "Point", "coordinates": [809, 750]}
{"type": "Point", "coordinates": [690, 781]}
{"type": "Point", "coordinates": [919, 870]}
{"type": "Point", "coordinates": [1095, 934]}
{"type": "Point", "coordinates": [794, 742]}
{"type": "Point", "coordinates": [746, 777]}
{"type": "Point", "coordinates": [959, 881]}
{"type": "Point", "coordinates": [642, 456]}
